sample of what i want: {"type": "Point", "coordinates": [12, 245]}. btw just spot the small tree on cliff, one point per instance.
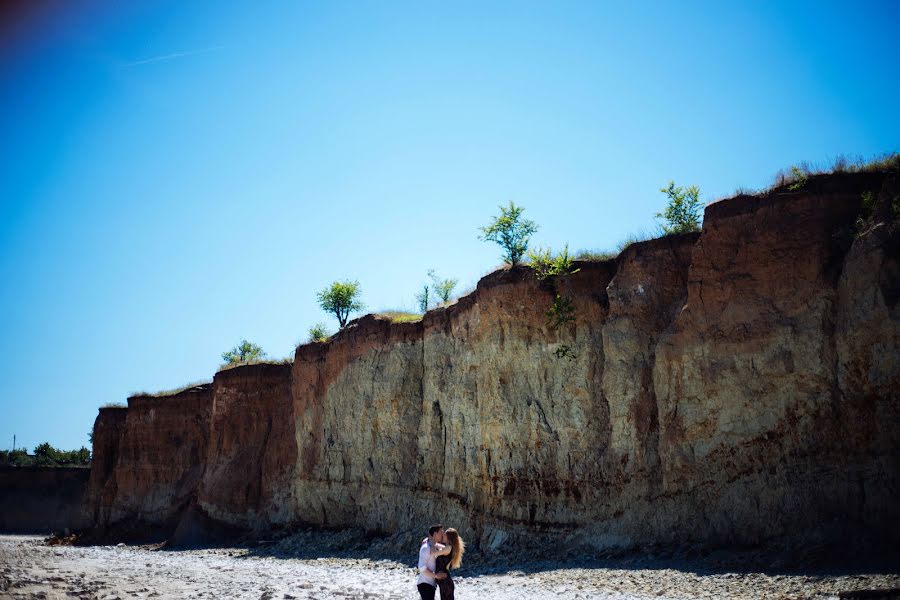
{"type": "Point", "coordinates": [682, 213]}
{"type": "Point", "coordinates": [243, 353]}
{"type": "Point", "coordinates": [423, 298]}
{"type": "Point", "coordinates": [340, 299]}
{"type": "Point", "coordinates": [511, 232]}
{"type": "Point", "coordinates": [443, 288]}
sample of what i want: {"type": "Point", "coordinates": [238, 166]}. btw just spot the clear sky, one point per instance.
{"type": "Point", "coordinates": [175, 175]}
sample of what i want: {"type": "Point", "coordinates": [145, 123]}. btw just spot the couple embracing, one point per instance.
{"type": "Point", "coordinates": [441, 551]}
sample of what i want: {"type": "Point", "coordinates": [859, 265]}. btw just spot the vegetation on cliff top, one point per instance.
{"type": "Point", "coordinates": [794, 177]}
{"type": "Point", "coordinates": [682, 213]}
{"type": "Point", "coordinates": [170, 392]}
{"type": "Point", "coordinates": [318, 333]}
{"type": "Point", "coordinates": [440, 290]}
{"type": "Point", "coordinates": [400, 316]}
{"type": "Point", "coordinates": [340, 299]}
{"type": "Point", "coordinates": [245, 352]}
{"type": "Point", "coordinates": [511, 232]}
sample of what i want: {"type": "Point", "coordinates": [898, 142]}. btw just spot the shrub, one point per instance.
{"type": "Point", "coordinates": [443, 288]}
{"type": "Point", "coordinates": [565, 351]}
{"type": "Point", "coordinates": [319, 333]}
{"type": "Point", "coordinates": [511, 232]}
{"type": "Point", "coordinates": [682, 213]}
{"type": "Point", "coordinates": [243, 353]}
{"type": "Point", "coordinates": [340, 299]}
{"type": "Point", "coordinates": [868, 203]}
{"type": "Point", "coordinates": [867, 214]}
{"type": "Point", "coordinates": [546, 264]}
{"type": "Point", "coordinates": [540, 260]}
{"type": "Point", "coordinates": [799, 177]}
{"type": "Point", "coordinates": [560, 312]}
{"type": "Point", "coordinates": [16, 458]}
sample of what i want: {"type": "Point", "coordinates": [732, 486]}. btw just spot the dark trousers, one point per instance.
{"type": "Point", "coordinates": [426, 591]}
{"type": "Point", "coordinates": [447, 587]}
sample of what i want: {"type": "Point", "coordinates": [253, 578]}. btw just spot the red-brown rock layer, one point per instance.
{"type": "Point", "coordinates": [109, 427]}
{"type": "Point", "coordinates": [162, 457]}
{"type": "Point", "coordinates": [252, 449]}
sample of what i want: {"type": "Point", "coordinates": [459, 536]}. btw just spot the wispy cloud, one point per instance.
{"type": "Point", "coordinates": [173, 56]}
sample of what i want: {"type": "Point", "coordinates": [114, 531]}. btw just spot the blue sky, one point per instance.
{"type": "Point", "coordinates": [175, 176]}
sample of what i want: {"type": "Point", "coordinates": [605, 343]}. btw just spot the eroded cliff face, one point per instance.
{"type": "Point", "coordinates": [161, 458]}
{"type": "Point", "coordinates": [357, 429]}
{"type": "Point", "coordinates": [728, 387]}
{"type": "Point", "coordinates": [252, 452]}
{"type": "Point", "coordinates": [758, 436]}
{"type": "Point", "coordinates": [109, 426]}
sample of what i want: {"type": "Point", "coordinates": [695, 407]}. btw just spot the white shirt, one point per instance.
{"type": "Point", "coordinates": [426, 561]}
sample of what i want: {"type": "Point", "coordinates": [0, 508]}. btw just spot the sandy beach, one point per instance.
{"type": "Point", "coordinates": [31, 569]}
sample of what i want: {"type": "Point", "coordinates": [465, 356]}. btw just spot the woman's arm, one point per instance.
{"type": "Point", "coordinates": [441, 549]}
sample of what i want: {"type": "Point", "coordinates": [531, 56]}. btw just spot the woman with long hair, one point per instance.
{"type": "Point", "coordinates": [453, 560]}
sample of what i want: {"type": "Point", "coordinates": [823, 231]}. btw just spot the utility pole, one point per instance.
{"type": "Point", "coordinates": [14, 443]}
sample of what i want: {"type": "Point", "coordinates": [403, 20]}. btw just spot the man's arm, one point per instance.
{"type": "Point", "coordinates": [441, 549]}
{"type": "Point", "coordinates": [429, 573]}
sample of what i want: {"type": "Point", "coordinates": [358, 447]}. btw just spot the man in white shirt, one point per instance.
{"type": "Point", "coordinates": [428, 551]}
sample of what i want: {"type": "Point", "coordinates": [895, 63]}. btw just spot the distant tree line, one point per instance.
{"type": "Point", "coordinates": [45, 455]}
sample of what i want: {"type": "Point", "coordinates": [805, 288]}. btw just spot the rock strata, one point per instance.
{"type": "Point", "coordinates": [252, 450]}
{"type": "Point", "coordinates": [727, 388]}
{"type": "Point", "coordinates": [161, 457]}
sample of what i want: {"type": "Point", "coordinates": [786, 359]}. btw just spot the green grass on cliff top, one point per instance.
{"type": "Point", "coordinates": [796, 174]}
{"type": "Point", "coordinates": [400, 316]}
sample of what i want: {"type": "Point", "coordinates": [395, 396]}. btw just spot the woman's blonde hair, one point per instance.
{"type": "Point", "coordinates": [457, 545]}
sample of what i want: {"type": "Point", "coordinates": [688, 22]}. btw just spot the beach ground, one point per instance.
{"type": "Point", "coordinates": [29, 568]}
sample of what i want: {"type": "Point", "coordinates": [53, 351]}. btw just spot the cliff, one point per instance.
{"type": "Point", "coordinates": [148, 462]}
{"type": "Point", "coordinates": [252, 448]}
{"type": "Point", "coordinates": [731, 387]}
{"type": "Point", "coordinates": [109, 427]}
{"type": "Point", "coordinates": [42, 499]}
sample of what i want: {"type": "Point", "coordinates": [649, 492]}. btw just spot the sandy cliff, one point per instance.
{"type": "Point", "coordinates": [109, 427]}
{"type": "Point", "coordinates": [252, 450]}
{"type": "Point", "coordinates": [148, 462]}
{"type": "Point", "coordinates": [758, 435]}
{"type": "Point", "coordinates": [724, 388]}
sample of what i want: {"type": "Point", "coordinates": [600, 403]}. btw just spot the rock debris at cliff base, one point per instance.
{"type": "Point", "coordinates": [31, 569]}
